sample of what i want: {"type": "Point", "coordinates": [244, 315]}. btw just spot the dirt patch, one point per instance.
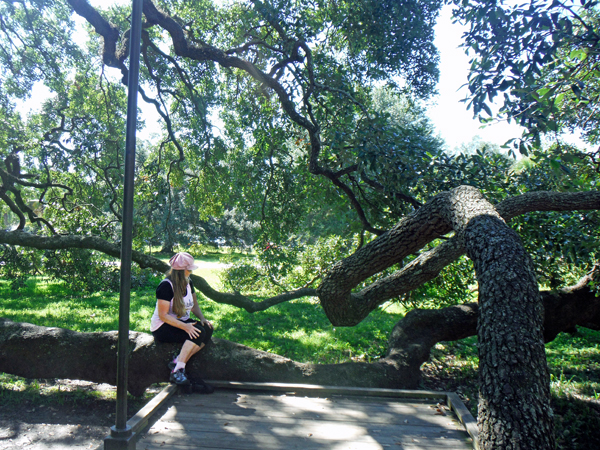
{"type": "Point", "coordinates": [75, 415]}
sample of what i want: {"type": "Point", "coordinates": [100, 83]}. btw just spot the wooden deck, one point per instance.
{"type": "Point", "coordinates": [248, 416]}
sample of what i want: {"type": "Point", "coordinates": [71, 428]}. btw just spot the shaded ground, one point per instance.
{"type": "Point", "coordinates": [64, 414]}
{"type": "Point", "coordinates": [576, 406]}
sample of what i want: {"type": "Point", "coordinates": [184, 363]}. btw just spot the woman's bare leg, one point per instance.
{"type": "Point", "coordinates": [188, 350]}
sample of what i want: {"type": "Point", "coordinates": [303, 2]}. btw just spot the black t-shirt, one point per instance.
{"type": "Point", "coordinates": [164, 291]}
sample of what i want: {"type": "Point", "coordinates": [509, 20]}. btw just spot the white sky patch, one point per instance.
{"type": "Point", "coordinates": [453, 121]}
{"type": "Point", "coordinates": [106, 3]}
{"type": "Point", "coordinates": [39, 94]}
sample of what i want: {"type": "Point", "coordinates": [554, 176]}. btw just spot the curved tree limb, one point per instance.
{"type": "Point", "coordinates": [108, 31]}
{"type": "Point", "coordinates": [415, 335]}
{"type": "Point", "coordinates": [145, 261]}
{"type": "Point", "coordinates": [548, 201]}
{"type": "Point", "coordinates": [410, 235]}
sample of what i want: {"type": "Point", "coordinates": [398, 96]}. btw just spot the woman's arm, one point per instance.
{"type": "Point", "coordinates": [163, 314]}
{"type": "Point", "coordinates": [198, 312]}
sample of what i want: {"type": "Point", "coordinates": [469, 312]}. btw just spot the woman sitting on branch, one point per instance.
{"type": "Point", "coordinates": [171, 322]}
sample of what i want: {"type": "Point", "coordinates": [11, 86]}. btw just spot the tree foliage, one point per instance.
{"type": "Point", "coordinates": [542, 58]}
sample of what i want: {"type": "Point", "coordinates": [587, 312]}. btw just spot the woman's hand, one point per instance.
{"type": "Point", "coordinates": [191, 330]}
{"type": "Point", "coordinates": [206, 323]}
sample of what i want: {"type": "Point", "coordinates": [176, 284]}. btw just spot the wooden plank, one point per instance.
{"type": "Point", "coordinates": [258, 423]}
{"type": "Point", "coordinates": [185, 444]}
{"type": "Point", "coordinates": [192, 416]}
{"type": "Point", "coordinates": [337, 400]}
{"type": "Point", "coordinates": [141, 418]}
{"type": "Point", "coordinates": [307, 446]}
{"type": "Point", "coordinates": [322, 391]}
{"type": "Point", "coordinates": [310, 402]}
{"type": "Point", "coordinates": [425, 415]}
{"type": "Point", "coordinates": [224, 399]}
{"type": "Point", "coordinates": [464, 415]}
{"type": "Point", "coordinates": [221, 395]}
{"type": "Point", "coordinates": [245, 442]}
{"type": "Point", "coordinates": [316, 428]}
{"type": "Point", "coordinates": [451, 424]}
{"type": "Point", "coordinates": [314, 409]}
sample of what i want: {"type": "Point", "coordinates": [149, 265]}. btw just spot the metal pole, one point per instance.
{"type": "Point", "coordinates": [121, 436]}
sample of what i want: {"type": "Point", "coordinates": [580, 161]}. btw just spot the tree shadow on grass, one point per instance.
{"type": "Point", "coordinates": [576, 422]}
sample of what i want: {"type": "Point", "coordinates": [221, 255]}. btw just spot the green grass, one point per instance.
{"type": "Point", "coordinates": [298, 329]}
{"type": "Point", "coordinates": [55, 305]}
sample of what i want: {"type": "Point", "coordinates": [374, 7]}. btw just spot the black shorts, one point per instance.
{"type": "Point", "coordinates": [170, 334]}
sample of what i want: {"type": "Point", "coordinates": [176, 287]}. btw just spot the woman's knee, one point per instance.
{"type": "Point", "coordinates": [202, 339]}
{"type": "Point", "coordinates": [208, 335]}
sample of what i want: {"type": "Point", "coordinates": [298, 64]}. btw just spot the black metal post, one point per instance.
{"type": "Point", "coordinates": [121, 435]}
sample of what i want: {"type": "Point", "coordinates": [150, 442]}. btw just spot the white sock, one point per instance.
{"type": "Point", "coordinates": [178, 366]}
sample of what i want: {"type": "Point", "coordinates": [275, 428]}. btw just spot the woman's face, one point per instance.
{"type": "Point", "coordinates": [188, 273]}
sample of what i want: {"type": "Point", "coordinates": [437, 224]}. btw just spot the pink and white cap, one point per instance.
{"type": "Point", "coordinates": [183, 261]}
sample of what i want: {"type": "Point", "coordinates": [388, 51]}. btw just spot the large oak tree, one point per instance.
{"type": "Point", "coordinates": [271, 107]}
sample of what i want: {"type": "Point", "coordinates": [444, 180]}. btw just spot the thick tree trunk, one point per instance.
{"type": "Point", "coordinates": [514, 384]}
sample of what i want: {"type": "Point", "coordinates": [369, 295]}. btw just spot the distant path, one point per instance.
{"type": "Point", "coordinates": [211, 265]}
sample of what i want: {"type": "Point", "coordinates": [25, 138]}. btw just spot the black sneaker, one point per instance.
{"type": "Point", "coordinates": [179, 378]}
{"type": "Point", "coordinates": [201, 387]}
{"type": "Point", "coordinates": [172, 363]}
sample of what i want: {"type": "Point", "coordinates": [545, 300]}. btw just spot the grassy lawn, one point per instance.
{"type": "Point", "coordinates": [300, 330]}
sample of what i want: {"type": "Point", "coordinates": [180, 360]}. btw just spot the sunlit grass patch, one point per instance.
{"type": "Point", "coordinates": [58, 306]}
{"type": "Point", "coordinates": [211, 276]}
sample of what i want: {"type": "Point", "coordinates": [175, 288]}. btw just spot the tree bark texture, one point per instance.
{"type": "Point", "coordinates": [514, 383]}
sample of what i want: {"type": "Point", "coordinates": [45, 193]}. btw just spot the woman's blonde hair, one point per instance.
{"type": "Point", "coordinates": [179, 281]}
